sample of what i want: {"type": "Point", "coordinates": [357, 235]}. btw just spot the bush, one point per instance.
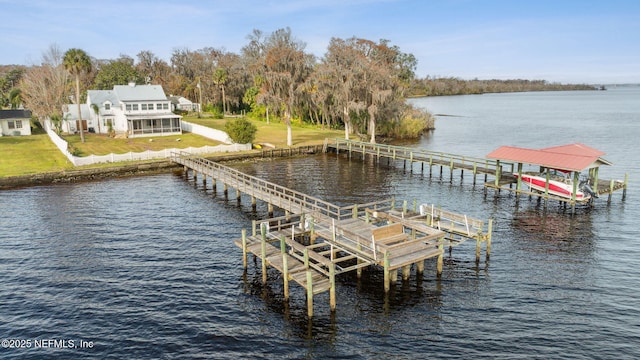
{"type": "Point", "coordinates": [241, 130]}
{"type": "Point", "coordinates": [410, 126]}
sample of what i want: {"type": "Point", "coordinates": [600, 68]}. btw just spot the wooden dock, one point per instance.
{"type": "Point", "coordinates": [413, 155]}
{"type": "Point", "coordinates": [315, 240]}
{"type": "Point", "coordinates": [501, 171]}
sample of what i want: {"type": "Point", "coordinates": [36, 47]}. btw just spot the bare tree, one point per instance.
{"type": "Point", "coordinates": [44, 86]}
{"type": "Point", "coordinates": [154, 68]}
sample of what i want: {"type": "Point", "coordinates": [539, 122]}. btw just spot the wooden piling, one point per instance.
{"type": "Point", "coordinates": [309, 284]}
{"type": "Point", "coordinates": [406, 272]}
{"type": "Point", "coordinates": [624, 189]}
{"type": "Point", "coordinates": [475, 172]}
{"type": "Point", "coordinates": [244, 249]}
{"type": "Point", "coordinates": [489, 235]}
{"type": "Point", "coordinates": [610, 191]}
{"type": "Point", "coordinates": [285, 267]}
{"type": "Point", "coordinates": [440, 257]}
{"type": "Point", "coordinates": [332, 289]}
{"type": "Point", "coordinates": [359, 269]}
{"type": "Point", "coordinates": [263, 252]}
{"type": "Point", "coordinates": [387, 277]}
{"type": "Point", "coordinates": [394, 276]}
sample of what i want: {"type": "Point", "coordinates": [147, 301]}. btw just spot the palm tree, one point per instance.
{"type": "Point", "coordinates": [76, 62]}
{"type": "Point", "coordinates": [15, 98]}
{"type": "Point", "coordinates": [220, 78]}
{"type": "Point", "coordinates": [96, 110]}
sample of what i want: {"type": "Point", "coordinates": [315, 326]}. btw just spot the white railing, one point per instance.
{"type": "Point", "coordinates": [58, 141]}
{"type": "Point", "coordinates": [137, 156]}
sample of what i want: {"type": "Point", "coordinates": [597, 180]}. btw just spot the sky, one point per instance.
{"type": "Point", "coordinates": [566, 41]}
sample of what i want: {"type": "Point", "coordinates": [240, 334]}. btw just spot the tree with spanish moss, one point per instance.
{"type": "Point", "coordinates": [286, 67]}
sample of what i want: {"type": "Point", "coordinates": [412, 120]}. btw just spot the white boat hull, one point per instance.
{"type": "Point", "coordinates": [558, 188]}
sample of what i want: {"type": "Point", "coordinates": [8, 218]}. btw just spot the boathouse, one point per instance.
{"type": "Point", "coordinates": [571, 159]}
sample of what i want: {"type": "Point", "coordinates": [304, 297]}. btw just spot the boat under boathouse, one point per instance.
{"type": "Point", "coordinates": [559, 174]}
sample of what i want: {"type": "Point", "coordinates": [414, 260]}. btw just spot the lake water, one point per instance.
{"type": "Point", "coordinates": [145, 268]}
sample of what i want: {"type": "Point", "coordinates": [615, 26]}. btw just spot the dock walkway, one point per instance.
{"type": "Point", "coordinates": [415, 155]}
{"type": "Point", "coordinates": [316, 240]}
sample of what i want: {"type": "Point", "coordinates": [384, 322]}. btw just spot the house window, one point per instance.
{"type": "Point", "coordinates": [158, 106]}
{"type": "Point", "coordinates": [107, 106]}
{"type": "Point", "coordinates": [15, 124]}
{"type": "Point", "coordinates": [165, 106]}
{"type": "Point", "coordinates": [135, 107]}
{"type": "Point", "coordinates": [129, 107]}
{"type": "Point", "coordinates": [150, 106]}
{"type": "Point", "coordinates": [144, 107]}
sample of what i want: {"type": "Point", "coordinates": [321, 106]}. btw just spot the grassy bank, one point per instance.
{"type": "Point", "coordinates": [25, 155]}
{"type": "Point", "coordinates": [276, 132]}
{"type": "Point", "coordinates": [102, 145]}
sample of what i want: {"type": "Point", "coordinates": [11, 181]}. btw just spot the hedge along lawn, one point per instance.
{"type": "Point", "coordinates": [24, 155]}
{"type": "Point", "coordinates": [276, 132]}
{"type": "Point", "coordinates": [102, 144]}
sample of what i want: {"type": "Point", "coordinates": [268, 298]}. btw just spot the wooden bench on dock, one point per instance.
{"type": "Point", "coordinates": [389, 234]}
{"type": "Point", "coordinates": [401, 250]}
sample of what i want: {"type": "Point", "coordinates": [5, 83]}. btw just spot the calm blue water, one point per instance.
{"type": "Point", "coordinates": [145, 267]}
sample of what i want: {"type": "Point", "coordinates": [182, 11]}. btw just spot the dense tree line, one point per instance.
{"type": "Point", "coordinates": [432, 86]}
{"type": "Point", "coordinates": [358, 85]}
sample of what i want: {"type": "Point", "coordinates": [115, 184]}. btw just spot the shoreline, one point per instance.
{"type": "Point", "coordinates": [150, 167]}
{"type": "Point", "coordinates": [69, 176]}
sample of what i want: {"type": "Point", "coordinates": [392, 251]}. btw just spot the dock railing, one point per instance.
{"type": "Point", "coordinates": [283, 197]}
{"type": "Point", "coordinates": [476, 164]}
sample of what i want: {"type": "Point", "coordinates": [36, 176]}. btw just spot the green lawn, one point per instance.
{"type": "Point", "coordinates": [23, 155]}
{"type": "Point", "coordinates": [102, 145]}
{"type": "Point", "coordinates": [276, 132]}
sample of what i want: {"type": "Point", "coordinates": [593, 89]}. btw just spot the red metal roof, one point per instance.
{"type": "Point", "coordinates": [573, 157]}
{"type": "Point", "coordinates": [575, 149]}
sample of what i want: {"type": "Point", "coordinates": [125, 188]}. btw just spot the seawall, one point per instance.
{"type": "Point", "coordinates": [144, 168]}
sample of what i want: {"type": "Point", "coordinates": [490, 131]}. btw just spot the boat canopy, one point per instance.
{"type": "Point", "coordinates": [572, 157]}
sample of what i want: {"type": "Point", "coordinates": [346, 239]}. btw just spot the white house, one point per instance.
{"type": "Point", "coordinates": [15, 122]}
{"type": "Point", "coordinates": [182, 103]}
{"type": "Point", "coordinates": [134, 110]}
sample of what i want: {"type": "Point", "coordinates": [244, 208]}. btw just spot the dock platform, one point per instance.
{"type": "Point", "coordinates": [316, 240]}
